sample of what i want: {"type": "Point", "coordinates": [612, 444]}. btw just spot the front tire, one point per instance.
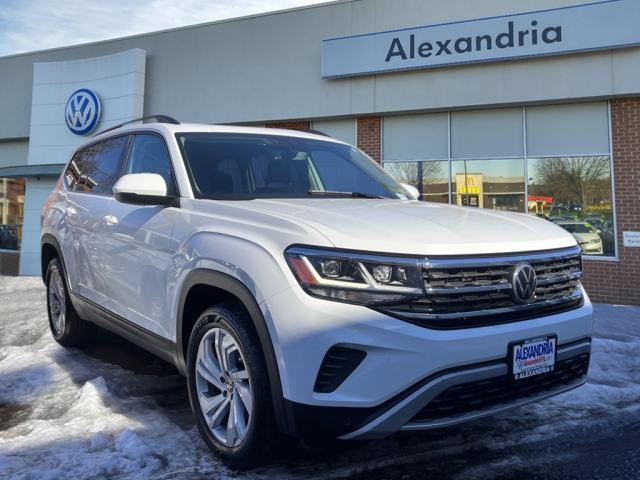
{"type": "Point", "coordinates": [67, 328]}
{"type": "Point", "coordinates": [228, 387]}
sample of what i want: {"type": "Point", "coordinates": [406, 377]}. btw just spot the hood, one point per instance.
{"type": "Point", "coordinates": [412, 227]}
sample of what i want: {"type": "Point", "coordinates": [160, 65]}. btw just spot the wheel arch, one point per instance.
{"type": "Point", "coordinates": [238, 291]}
{"type": "Point", "coordinates": [49, 249]}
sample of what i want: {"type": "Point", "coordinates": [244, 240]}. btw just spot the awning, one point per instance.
{"type": "Point", "coordinates": [30, 171]}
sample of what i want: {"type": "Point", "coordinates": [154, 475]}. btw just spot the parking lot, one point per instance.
{"type": "Point", "coordinates": [114, 411]}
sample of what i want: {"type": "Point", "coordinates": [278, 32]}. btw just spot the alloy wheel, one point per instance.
{"type": "Point", "coordinates": [57, 302]}
{"type": "Point", "coordinates": [223, 387]}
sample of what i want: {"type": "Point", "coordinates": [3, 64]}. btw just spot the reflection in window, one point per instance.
{"type": "Point", "coordinates": [96, 168]}
{"type": "Point", "coordinates": [575, 193]}
{"type": "Point", "coordinates": [491, 184]}
{"type": "Point", "coordinates": [430, 178]}
{"type": "Point", "coordinates": [11, 212]}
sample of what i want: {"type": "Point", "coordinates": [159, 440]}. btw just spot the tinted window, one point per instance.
{"type": "Point", "coordinates": [149, 155]}
{"type": "Point", "coordinates": [267, 166]}
{"type": "Point", "coordinates": [96, 168]}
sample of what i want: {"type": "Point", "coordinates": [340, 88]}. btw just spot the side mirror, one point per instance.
{"type": "Point", "coordinates": [143, 189]}
{"type": "Point", "coordinates": [414, 193]}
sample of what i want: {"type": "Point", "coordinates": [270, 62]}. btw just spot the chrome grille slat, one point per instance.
{"type": "Point", "coordinates": [467, 288]}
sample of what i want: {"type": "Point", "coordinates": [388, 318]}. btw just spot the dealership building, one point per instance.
{"type": "Point", "coordinates": [530, 106]}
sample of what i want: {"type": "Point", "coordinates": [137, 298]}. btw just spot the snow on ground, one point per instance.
{"type": "Point", "coordinates": [114, 411]}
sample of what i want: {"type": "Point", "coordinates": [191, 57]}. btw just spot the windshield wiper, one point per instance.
{"type": "Point", "coordinates": [330, 193]}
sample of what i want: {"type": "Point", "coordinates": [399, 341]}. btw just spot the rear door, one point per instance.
{"type": "Point", "coordinates": [89, 179]}
{"type": "Point", "coordinates": [137, 243]}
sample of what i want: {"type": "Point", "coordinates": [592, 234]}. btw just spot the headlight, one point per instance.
{"type": "Point", "coordinates": [594, 240]}
{"type": "Point", "coordinates": [357, 278]}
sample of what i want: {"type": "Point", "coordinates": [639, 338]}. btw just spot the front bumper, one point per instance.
{"type": "Point", "coordinates": [404, 415]}
{"type": "Point", "coordinates": [406, 365]}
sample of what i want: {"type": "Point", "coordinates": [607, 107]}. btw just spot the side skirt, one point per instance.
{"type": "Point", "coordinates": [153, 343]}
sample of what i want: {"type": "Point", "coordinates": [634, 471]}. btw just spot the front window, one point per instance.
{"type": "Point", "coordinates": [243, 166]}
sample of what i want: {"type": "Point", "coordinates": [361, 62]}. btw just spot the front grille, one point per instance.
{"type": "Point", "coordinates": [486, 394]}
{"type": "Point", "coordinates": [470, 292]}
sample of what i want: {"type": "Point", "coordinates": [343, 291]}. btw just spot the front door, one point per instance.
{"type": "Point", "coordinates": [137, 243]}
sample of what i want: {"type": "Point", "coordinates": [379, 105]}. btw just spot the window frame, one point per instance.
{"type": "Point", "coordinates": [450, 159]}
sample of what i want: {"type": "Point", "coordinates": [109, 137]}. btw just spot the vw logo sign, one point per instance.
{"type": "Point", "coordinates": [524, 283]}
{"type": "Point", "coordinates": [82, 112]}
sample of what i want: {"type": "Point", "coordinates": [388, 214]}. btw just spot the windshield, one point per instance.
{"type": "Point", "coordinates": [577, 227]}
{"type": "Point", "coordinates": [247, 166]}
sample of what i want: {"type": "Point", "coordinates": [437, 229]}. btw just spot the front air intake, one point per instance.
{"type": "Point", "coordinates": [337, 365]}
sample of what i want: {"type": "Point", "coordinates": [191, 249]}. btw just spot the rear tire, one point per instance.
{"type": "Point", "coordinates": [229, 388]}
{"type": "Point", "coordinates": [67, 328]}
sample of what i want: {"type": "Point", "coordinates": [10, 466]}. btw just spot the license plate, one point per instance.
{"type": "Point", "coordinates": [533, 357]}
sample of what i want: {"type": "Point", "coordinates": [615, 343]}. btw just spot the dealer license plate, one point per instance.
{"type": "Point", "coordinates": [533, 357]}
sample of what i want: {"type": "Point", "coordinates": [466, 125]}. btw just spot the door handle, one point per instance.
{"type": "Point", "coordinates": [110, 220]}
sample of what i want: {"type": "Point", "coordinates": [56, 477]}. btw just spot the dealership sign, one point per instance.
{"type": "Point", "coordinates": [594, 26]}
{"type": "Point", "coordinates": [82, 111]}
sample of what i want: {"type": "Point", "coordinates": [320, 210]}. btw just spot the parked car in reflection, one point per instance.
{"type": "Point", "coordinates": [596, 221]}
{"type": "Point", "coordinates": [587, 237]}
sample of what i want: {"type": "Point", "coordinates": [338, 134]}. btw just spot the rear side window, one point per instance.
{"type": "Point", "coordinates": [96, 169]}
{"type": "Point", "coordinates": [149, 155]}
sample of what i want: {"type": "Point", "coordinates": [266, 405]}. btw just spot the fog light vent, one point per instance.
{"type": "Point", "coordinates": [338, 364]}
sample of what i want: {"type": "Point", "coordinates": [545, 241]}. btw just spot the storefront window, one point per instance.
{"type": "Point", "coordinates": [491, 184]}
{"type": "Point", "coordinates": [553, 161]}
{"type": "Point", "coordinates": [430, 178]}
{"type": "Point", "coordinates": [11, 213]}
{"type": "Point", "coordinates": [575, 193]}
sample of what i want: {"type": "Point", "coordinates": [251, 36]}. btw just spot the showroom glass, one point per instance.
{"type": "Point", "coordinates": [149, 154]}
{"type": "Point", "coordinates": [430, 178]}
{"type": "Point", "coordinates": [96, 168]}
{"type": "Point", "coordinates": [574, 189]}
{"type": "Point", "coordinates": [491, 184]}
{"type": "Point", "coordinates": [245, 166]}
{"type": "Point", "coordinates": [472, 143]}
{"type": "Point", "coordinates": [11, 212]}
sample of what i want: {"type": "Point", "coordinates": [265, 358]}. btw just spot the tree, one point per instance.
{"type": "Point", "coordinates": [573, 179]}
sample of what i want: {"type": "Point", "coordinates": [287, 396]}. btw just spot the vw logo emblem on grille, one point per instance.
{"type": "Point", "coordinates": [82, 111]}
{"type": "Point", "coordinates": [524, 283]}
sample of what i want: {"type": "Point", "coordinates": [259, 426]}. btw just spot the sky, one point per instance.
{"type": "Point", "coordinates": [28, 25]}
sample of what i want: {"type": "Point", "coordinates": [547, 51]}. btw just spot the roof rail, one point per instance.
{"type": "Point", "coordinates": [158, 119]}
{"type": "Point", "coordinates": [316, 132]}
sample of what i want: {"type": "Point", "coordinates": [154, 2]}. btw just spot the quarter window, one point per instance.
{"type": "Point", "coordinates": [149, 155]}
{"type": "Point", "coordinates": [96, 169]}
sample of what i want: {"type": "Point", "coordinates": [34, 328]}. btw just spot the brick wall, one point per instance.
{"type": "Point", "coordinates": [370, 136]}
{"type": "Point", "coordinates": [619, 282]}
{"type": "Point", "coordinates": [290, 125]}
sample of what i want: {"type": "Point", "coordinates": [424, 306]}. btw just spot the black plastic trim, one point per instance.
{"type": "Point", "coordinates": [48, 239]}
{"type": "Point", "coordinates": [239, 290]}
{"type": "Point", "coordinates": [136, 199]}
{"type": "Point", "coordinates": [338, 364]}
{"type": "Point", "coordinates": [108, 320]}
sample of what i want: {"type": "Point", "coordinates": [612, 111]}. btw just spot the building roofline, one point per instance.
{"type": "Point", "coordinates": [176, 29]}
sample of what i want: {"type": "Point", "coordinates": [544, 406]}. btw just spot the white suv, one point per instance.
{"type": "Point", "coordinates": [302, 290]}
